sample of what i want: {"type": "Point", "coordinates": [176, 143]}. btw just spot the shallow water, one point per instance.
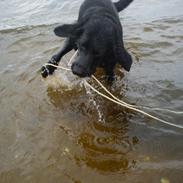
{"type": "Point", "coordinates": [56, 130]}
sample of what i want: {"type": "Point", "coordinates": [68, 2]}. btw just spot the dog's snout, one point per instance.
{"type": "Point", "coordinates": [79, 70]}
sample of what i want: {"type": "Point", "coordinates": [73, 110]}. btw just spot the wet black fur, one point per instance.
{"type": "Point", "coordinates": [98, 37]}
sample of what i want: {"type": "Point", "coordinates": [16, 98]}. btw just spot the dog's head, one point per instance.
{"type": "Point", "coordinates": [94, 41]}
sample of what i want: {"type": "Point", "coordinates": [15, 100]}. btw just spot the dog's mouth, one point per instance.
{"type": "Point", "coordinates": [82, 71]}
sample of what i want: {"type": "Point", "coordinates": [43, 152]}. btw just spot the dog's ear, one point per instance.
{"type": "Point", "coordinates": [68, 30]}
{"type": "Point", "coordinates": [120, 53]}
{"type": "Point", "coordinates": [123, 57]}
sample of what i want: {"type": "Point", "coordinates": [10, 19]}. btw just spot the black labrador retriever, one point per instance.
{"type": "Point", "coordinates": [98, 37]}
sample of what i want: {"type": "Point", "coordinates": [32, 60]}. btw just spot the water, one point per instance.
{"type": "Point", "coordinates": [56, 130]}
{"type": "Point", "coordinates": [18, 13]}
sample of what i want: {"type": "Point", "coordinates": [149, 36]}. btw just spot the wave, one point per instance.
{"type": "Point", "coordinates": [26, 28]}
{"type": "Point", "coordinates": [20, 13]}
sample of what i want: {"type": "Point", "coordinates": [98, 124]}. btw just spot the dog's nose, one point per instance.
{"type": "Point", "coordinates": [79, 70]}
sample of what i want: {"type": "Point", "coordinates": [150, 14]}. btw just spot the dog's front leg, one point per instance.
{"type": "Point", "coordinates": [109, 71]}
{"type": "Point", "coordinates": [69, 44]}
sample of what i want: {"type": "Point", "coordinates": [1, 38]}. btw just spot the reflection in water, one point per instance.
{"type": "Point", "coordinates": [106, 146]}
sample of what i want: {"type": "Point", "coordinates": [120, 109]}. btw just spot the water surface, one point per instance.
{"type": "Point", "coordinates": [56, 130]}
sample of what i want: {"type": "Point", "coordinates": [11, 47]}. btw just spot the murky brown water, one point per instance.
{"type": "Point", "coordinates": [55, 130]}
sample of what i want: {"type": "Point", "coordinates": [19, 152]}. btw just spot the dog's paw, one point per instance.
{"type": "Point", "coordinates": [44, 71]}
{"type": "Point", "coordinates": [48, 69]}
{"type": "Point", "coordinates": [110, 78]}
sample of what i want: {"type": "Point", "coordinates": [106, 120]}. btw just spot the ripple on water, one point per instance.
{"type": "Point", "coordinates": [55, 129]}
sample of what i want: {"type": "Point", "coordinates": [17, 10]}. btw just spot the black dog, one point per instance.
{"type": "Point", "coordinates": [98, 37]}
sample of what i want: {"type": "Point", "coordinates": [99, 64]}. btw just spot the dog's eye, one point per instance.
{"type": "Point", "coordinates": [96, 53]}
{"type": "Point", "coordinates": [82, 48]}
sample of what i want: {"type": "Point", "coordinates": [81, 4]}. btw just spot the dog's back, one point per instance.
{"type": "Point", "coordinates": [107, 4]}
{"type": "Point", "coordinates": [94, 5]}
